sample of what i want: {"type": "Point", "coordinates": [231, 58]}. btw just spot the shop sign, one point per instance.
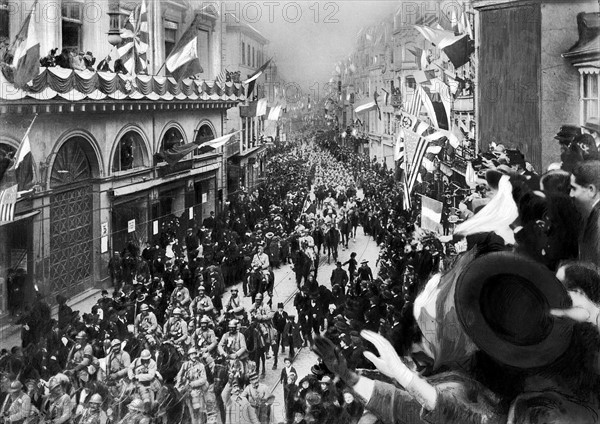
{"type": "Point", "coordinates": [131, 226]}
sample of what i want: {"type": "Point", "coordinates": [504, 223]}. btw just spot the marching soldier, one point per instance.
{"type": "Point", "coordinates": [94, 414]}
{"type": "Point", "coordinates": [192, 379]}
{"type": "Point", "coordinates": [142, 373]}
{"type": "Point", "coordinates": [204, 338]}
{"type": "Point", "coordinates": [176, 329]}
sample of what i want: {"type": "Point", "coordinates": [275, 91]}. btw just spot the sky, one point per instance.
{"type": "Point", "coordinates": [308, 37]}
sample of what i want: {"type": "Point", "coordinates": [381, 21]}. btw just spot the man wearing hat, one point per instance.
{"type": "Point", "coordinates": [181, 295]}
{"type": "Point", "coordinates": [278, 321]}
{"type": "Point", "coordinates": [137, 413]}
{"type": "Point", "coordinates": [20, 409]}
{"type": "Point", "coordinates": [83, 355]}
{"type": "Point", "coordinates": [237, 408]}
{"type": "Point", "coordinates": [234, 305]}
{"type": "Point", "coordinates": [142, 373]}
{"type": "Point", "coordinates": [175, 329]}
{"type": "Point", "coordinates": [202, 304]}
{"type": "Point", "coordinates": [191, 380]}
{"type": "Point", "coordinates": [233, 343]}
{"type": "Point", "coordinates": [204, 338]}
{"type": "Point", "coordinates": [259, 396]}
{"type": "Point", "coordinates": [339, 276]}
{"type": "Point", "coordinates": [191, 244]}
{"type": "Point", "coordinates": [94, 414]}
{"type": "Point", "coordinates": [145, 323]}
{"type": "Point", "coordinates": [117, 363]}
{"type": "Point", "coordinates": [261, 261]}
{"type": "Point", "coordinates": [57, 408]}
{"type": "Point", "coordinates": [585, 191]}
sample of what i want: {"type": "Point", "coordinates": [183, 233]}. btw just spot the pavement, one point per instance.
{"type": "Point", "coordinates": [284, 291]}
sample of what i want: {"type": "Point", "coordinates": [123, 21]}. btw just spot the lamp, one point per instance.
{"type": "Point", "coordinates": [114, 13]}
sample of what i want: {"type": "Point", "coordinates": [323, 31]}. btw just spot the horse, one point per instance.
{"type": "Point", "coordinates": [257, 345]}
{"type": "Point", "coordinates": [258, 283]}
{"type": "Point", "coordinates": [319, 238]}
{"type": "Point", "coordinates": [332, 240]}
{"type": "Point", "coordinates": [344, 226]}
{"type": "Point", "coordinates": [170, 406]}
{"type": "Point", "coordinates": [303, 265]}
{"type": "Point", "coordinates": [354, 219]}
{"type": "Point", "coordinates": [168, 361]}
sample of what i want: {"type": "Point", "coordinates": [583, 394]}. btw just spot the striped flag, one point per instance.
{"type": "Point", "coordinates": [222, 77]}
{"type": "Point", "coordinates": [8, 199]}
{"type": "Point", "coordinates": [416, 102]}
{"type": "Point", "coordinates": [26, 48]}
{"type": "Point", "coordinates": [134, 47]}
{"type": "Point", "coordinates": [251, 80]}
{"type": "Point", "coordinates": [431, 213]}
{"type": "Point", "coordinates": [183, 60]}
{"type": "Point", "coordinates": [417, 160]}
{"type": "Point", "coordinates": [400, 147]}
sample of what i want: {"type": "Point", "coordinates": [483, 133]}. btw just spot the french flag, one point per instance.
{"type": "Point", "coordinates": [26, 60]}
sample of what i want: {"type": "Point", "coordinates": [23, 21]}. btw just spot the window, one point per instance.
{"type": "Point", "coordinates": [590, 96]}
{"type": "Point", "coordinates": [248, 55]}
{"type": "Point", "coordinates": [170, 36]}
{"type": "Point", "coordinates": [4, 22]}
{"type": "Point", "coordinates": [72, 26]}
{"type": "Point", "coordinates": [243, 53]}
{"type": "Point", "coordinates": [203, 51]}
{"type": "Point", "coordinates": [129, 153]}
{"type": "Point", "coordinates": [203, 135]}
{"type": "Point", "coordinates": [172, 139]}
{"type": "Point", "coordinates": [253, 58]}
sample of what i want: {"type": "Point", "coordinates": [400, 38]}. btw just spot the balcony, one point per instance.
{"type": "Point", "coordinates": [232, 147]}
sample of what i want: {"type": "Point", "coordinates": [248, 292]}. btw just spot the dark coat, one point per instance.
{"type": "Point", "coordinates": [589, 241]}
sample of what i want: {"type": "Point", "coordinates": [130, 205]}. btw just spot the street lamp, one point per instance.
{"type": "Point", "coordinates": [114, 13]}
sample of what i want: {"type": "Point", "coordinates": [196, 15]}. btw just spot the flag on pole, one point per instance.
{"type": "Point", "coordinates": [438, 37]}
{"type": "Point", "coordinates": [219, 141]}
{"type": "Point", "coordinates": [8, 199]}
{"type": "Point", "coordinates": [459, 50]}
{"type": "Point", "coordinates": [222, 77]}
{"type": "Point", "coordinates": [400, 147]}
{"type": "Point", "coordinates": [274, 113]}
{"type": "Point", "coordinates": [412, 123]}
{"type": "Point", "coordinates": [431, 213]}
{"type": "Point", "coordinates": [24, 165]}
{"type": "Point", "coordinates": [134, 47]}
{"type": "Point", "coordinates": [251, 80]}
{"type": "Point", "coordinates": [417, 160]}
{"type": "Point", "coordinates": [366, 105]}
{"type": "Point", "coordinates": [261, 107]}
{"type": "Point", "coordinates": [26, 54]}
{"type": "Point", "coordinates": [183, 60]}
{"type": "Point", "coordinates": [416, 102]}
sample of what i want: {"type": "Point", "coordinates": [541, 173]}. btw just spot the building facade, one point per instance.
{"type": "Point", "coordinates": [100, 182]}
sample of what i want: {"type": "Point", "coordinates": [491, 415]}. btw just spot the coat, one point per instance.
{"type": "Point", "coordinates": [291, 332]}
{"type": "Point", "coordinates": [589, 240]}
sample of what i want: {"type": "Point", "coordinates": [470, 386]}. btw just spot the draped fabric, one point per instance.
{"type": "Point", "coordinates": [75, 85]}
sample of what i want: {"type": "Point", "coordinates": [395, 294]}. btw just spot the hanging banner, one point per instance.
{"type": "Point", "coordinates": [431, 214]}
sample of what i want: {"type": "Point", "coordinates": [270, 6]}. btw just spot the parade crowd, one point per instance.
{"type": "Point", "coordinates": [494, 321]}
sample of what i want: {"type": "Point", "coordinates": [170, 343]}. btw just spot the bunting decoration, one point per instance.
{"type": "Point", "coordinates": [134, 47]}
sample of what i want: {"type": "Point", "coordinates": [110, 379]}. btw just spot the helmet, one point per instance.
{"type": "Point", "coordinates": [145, 354]}
{"type": "Point", "coordinates": [15, 387]}
{"type": "Point", "coordinates": [233, 323]}
{"type": "Point", "coordinates": [204, 320]}
{"type": "Point", "coordinates": [201, 288]}
{"type": "Point", "coordinates": [143, 307]}
{"type": "Point", "coordinates": [259, 296]}
{"type": "Point", "coordinates": [81, 335]}
{"type": "Point", "coordinates": [96, 398]}
{"type": "Point", "coordinates": [53, 383]}
{"type": "Point", "coordinates": [177, 311]}
{"type": "Point", "coordinates": [192, 350]}
{"type": "Point", "coordinates": [136, 405]}
{"type": "Point", "coordinates": [115, 342]}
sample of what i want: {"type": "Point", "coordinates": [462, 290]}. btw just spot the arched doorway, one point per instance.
{"type": "Point", "coordinates": [71, 218]}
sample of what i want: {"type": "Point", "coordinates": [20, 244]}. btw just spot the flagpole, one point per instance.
{"type": "Point", "coordinates": [14, 166]}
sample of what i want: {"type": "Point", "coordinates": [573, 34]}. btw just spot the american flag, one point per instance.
{"type": "Point", "coordinates": [416, 102]}
{"type": "Point", "coordinates": [222, 77]}
{"type": "Point", "coordinates": [8, 199]}
{"type": "Point", "coordinates": [134, 47]}
{"type": "Point", "coordinates": [417, 161]}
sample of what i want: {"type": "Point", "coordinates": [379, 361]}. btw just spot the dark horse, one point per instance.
{"type": "Point", "coordinates": [319, 238]}
{"type": "Point", "coordinates": [170, 406]}
{"type": "Point", "coordinates": [257, 346]}
{"type": "Point", "coordinates": [332, 240]}
{"type": "Point", "coordinates": [303, 265]}
{"type": "Point", "coordinates": [258, 283]}
{"type": "Point", "coordinates": [168, 362]}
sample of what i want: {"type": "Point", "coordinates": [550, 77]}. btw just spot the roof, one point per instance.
{"type": "Point", "coordinates": [588, 45]}
{"type": "Point", "coordinates": [67, 84]}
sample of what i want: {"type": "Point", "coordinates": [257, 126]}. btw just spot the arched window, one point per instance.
{"type": "Point", "coordinates": [7, 152]}
{"type": "Point", "coordinates": [172, 138]}
{"type": "Point", "coordinates": [204, 134]}
{"type": "Point", "coordinates": [72, 163]}
{"type": "Point", "coordinates": [129, 153]}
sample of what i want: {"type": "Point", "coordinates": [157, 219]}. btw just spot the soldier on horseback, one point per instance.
{"type": "Point", "coordinates": [58, 406]}
{"type": "Point", "coordinates": [261, 261]}
{"type": "Point", "coordinates": [180, 298]}
{"type": "Point", "coordinates": [117, 363]}
{"type": "Point", "coordinates": [234, 305]}
{"type": "Point", "coordinates": [202, 304]}
{"type": "Point", "coordinates": [81, 355]}
{"type": "Point", "coordinates": [176, 330]}
{"type": "Point", "coordinates": [143, 375]}
{"type": "Point", "coordinates": [136, 414]}
{"type": "Point", "coordinates": [191, 381]}
{"type": "Point", "coordinates": [233, 343]}
{"type": "Point", "coordinates": [94, 414]}
{"type": "Point", "coordinates": [145, 326]}
{"type": "Point", "coordinates": [20, 409]}
{"type": "Point", "coordinates": [204, 338]}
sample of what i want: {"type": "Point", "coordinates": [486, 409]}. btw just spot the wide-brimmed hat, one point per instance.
{"type": "Point", "coordinates": [503, 302]}
{"type": "Point", "coordinates": [592, 124]}
{"type": "Point", "coordinates": [567, 133]}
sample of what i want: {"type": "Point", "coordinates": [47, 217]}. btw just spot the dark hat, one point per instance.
{"type": "Point", "coordinates": [317, 370]}
{"type": "Point", "coordinates": [503, 301]}
{"type": "Point", "coordinates": [280, 306]}
{"type": "Point", "coordinates": [567, 133]}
